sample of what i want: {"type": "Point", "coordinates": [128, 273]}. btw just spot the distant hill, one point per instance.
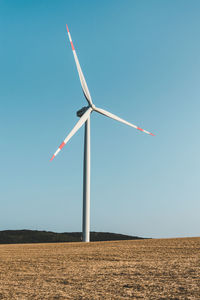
{"type": "Point", "coordinates": [35, 236]}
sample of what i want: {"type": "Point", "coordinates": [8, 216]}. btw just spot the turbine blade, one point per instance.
{"type": "Point", "coordinates": [80, 73]}
{"type": "Point", "coordinates": [108, 114]}
{"type": "Point", "coordinates": [74, 130]}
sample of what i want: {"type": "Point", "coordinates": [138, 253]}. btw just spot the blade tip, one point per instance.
{"type": "Point", "coordinates": [67, 28]}
{"type": "Point", "coordinates": [52, 157]}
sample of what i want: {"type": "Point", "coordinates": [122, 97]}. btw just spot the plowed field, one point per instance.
{"type": "Point", "coordinates": [141, 269]}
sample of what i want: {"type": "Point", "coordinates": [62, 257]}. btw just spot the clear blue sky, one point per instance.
{"type": "Point", "coordinates": [141, 60]}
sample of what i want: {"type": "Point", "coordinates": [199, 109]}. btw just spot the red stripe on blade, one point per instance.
{"type": "Point", "coordinates": [52, 157]}
{"type": "Point", "coordinates": [62, 145]}
{"type": "Point", "coordinates": [67, 28]}
{"type": "Point", "coordinates": [140, 129]}
{"type": "Point", "coordinates": [72, 45]}
{"type": "Point", "coordinates": [151, 134]}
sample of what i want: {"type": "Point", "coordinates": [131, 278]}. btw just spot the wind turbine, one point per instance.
{"type": "Point", "coordinates": [84, 114]}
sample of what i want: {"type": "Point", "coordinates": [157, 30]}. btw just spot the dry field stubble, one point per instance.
{"type": "Point", "coordinates": [145, 269]}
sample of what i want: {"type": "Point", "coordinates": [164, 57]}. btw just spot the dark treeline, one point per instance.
{"type": "Point", "coordinates": [35, 236]}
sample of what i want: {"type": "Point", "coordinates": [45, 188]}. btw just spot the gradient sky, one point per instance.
{"type": "Point", "coordinates": [141, 60]}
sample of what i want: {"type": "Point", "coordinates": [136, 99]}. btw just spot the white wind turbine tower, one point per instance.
{"type": "Point", "coordinates": [84, 114]}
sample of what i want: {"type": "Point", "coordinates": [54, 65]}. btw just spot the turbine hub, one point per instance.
{"type": "Point", "coordinates": [81, 111]}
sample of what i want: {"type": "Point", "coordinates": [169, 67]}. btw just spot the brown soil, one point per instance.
{"type": "Point", "coordinates": [142, 269]}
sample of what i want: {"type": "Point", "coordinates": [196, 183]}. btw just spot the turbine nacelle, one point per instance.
{"type": "Point", "coordinates": [81, 111]}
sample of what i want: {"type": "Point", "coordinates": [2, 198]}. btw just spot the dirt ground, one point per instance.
{"type": "Point", "coordinates": [141, 269]}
